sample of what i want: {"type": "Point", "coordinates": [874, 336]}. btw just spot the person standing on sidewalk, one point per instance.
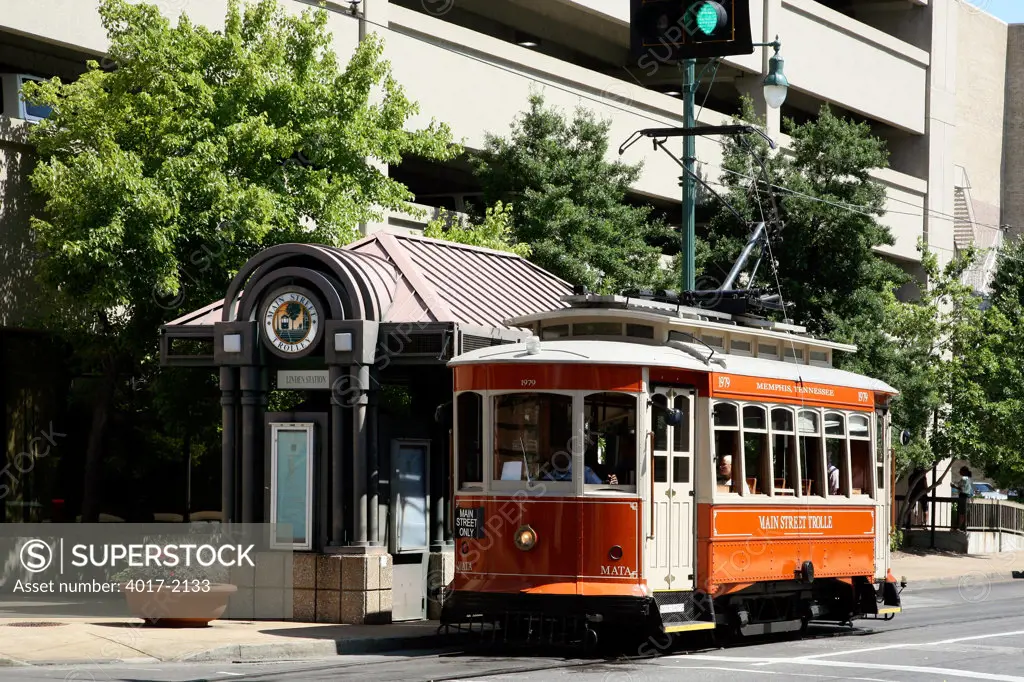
{"type": "Point", "coordinates": [965, 491]}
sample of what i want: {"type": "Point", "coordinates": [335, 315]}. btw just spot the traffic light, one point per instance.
{"type": "Point", "coordinates": [673, 30]}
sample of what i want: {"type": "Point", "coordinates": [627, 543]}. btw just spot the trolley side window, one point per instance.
{"type": "Point", "coordinates": [785, 462]}
{"type": "Point", "coordinates": [812, 472]}
{"type": "Point", "coordinates": [756, 456]}
{"type": "Point", "coordinates": [881, 448]}
{"type": "Point", "coordinates": [469, 408]}
{"type": "Point", "coordinates": [610, 439]}
{"type": "Point", "coordinates": [860, 455]}
{"type": "Point", "coordinates": [836, 454]}
{"type": "Point", "coordinates": [533, 437]}
{"type": "Point", "coordinates": [727, 447]}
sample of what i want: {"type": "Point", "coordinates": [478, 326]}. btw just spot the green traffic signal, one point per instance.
{"type": "Point", "coordinates": [672, 30]}
{"type": "Point", "coordinates": [708, 18]}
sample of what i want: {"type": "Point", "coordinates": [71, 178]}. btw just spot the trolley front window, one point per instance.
{"type": "Point", "coordinates": [533, 437]}
{"type": "Point", "coordinates": [469, 413]}
{"type": "Point", "coordinates": [609, 421]}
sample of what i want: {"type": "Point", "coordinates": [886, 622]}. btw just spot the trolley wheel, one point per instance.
{"type": "Point", "coordinates": [589, 640]}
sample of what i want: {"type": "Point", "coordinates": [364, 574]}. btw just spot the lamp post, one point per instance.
{"type": "Point", "coordinates": [775, 89]}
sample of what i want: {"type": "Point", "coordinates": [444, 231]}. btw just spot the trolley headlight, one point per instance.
{"type": "Point", "coordinates": [526, 538]}
{"type": "Point", "coordinates": [615, 553]}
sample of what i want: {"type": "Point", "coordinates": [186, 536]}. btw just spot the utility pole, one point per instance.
{"type": "Point", "coordinates": [687, 230]}
{"type": "Point", "coordinates": [775, 87]}
{"type": "Point", "coordinates": [681, 32]}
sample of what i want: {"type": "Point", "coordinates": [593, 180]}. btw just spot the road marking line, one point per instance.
{"type": "Point", "coordinates": [769, 672]}
{"type": "Point", "coordinates": [908, 645]}
{"type": "Point", "coordinates": [944, 672]}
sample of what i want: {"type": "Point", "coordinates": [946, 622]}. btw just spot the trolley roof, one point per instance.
{"type": "Point", "coordinates": [674, 315]}
{"type": "Point", "coordinates": [675, 354]}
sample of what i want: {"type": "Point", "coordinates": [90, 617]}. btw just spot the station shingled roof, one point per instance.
{"type": "Point", "coordinates": [440, 281]}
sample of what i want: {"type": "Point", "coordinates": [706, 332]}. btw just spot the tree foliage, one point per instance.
{"type": "Point", "coordinates": [920, 356]}
{"type": "Point", "coordinates": [827, 173]}
{"type": "Point", "coordinates": [985, 421]}
{"type": "Point", "coordinates": [199, 148]}
{"type": "Point", "coordinates": [494, 232]}
{"type": "Point", "coordinates": [570, 202]}
{"type": "Point", "coordinates": [209, 146]}
{"type": "Point", "coordinates": [823, 258]}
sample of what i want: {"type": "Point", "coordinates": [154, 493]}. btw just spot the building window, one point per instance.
{"type": "Point", "coordinates": [470, 434]}
{"type": "Point", "coordinates": [609, 422]}
{"type": "Point", "coordinates": [532, 437]}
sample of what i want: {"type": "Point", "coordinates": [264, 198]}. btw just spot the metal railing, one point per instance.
{"type": "Point", "coordinates": [942, 514]}
{"type": "Point", "coordinates": [995, 515]}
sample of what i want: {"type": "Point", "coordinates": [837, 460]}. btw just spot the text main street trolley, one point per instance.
{"type": "Point", "coordinates": [640, 464]}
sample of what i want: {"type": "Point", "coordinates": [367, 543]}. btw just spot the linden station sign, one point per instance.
{"type": "Point", "coordinates": [302, 380]}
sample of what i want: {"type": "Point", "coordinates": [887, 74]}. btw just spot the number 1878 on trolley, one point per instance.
{"type": "Point", "coordinates": [647, 467]}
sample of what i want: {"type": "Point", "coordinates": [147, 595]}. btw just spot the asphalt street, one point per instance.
{"type": "Point", "coordinates": [975, 632]}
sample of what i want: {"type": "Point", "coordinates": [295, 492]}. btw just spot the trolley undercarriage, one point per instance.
{"type": "Point", "coordinates": [764, 608]}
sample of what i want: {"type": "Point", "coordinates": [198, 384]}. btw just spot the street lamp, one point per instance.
{"type": "Point", "coordinates": [775, 84]}
{"type": "Point", "coordinates": [775, 88]}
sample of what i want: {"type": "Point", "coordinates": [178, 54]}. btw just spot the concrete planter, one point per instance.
{"type": "Point", "coordinates": [176, 609]}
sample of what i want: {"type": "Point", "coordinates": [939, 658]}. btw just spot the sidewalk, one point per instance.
{"type": "Point", "coordinates": [42, 641]}
{"type": "Point", "coordinates": [110, 640]}
{"type": "Point", "coordinates": [936, 568]}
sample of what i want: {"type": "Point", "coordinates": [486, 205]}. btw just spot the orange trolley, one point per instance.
{"type": "Point", "coordinates": [650, 467]}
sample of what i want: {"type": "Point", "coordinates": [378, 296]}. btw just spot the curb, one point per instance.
{"type": "Point", "coordinates": [964, 579]}
{"type": "Point", "coordinates": [82, 662]}
{"type": "Point", "coordinates": [273, 651]}
{"type": "Point", "coordinates": [284, 651]}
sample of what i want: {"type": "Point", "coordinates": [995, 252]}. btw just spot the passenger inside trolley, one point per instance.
{"type": "Point", "coordinates": [725, 484]}
{"type": "Point", "coordinates": [610, 431]}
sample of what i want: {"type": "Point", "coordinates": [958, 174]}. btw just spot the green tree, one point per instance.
{"type": "Point", "coordinates": [163, 175]}
{"type": "Point", "coordinates": [920, 353]}
{"type": "Point", "coordinates": [828, 172]}
{"type": "Point", "coordinates": [570, 202]}
{"type": "Point", "coordinates": [985, 420]}
{"type": "Point", "coordinates": [495, 232]}
{"type": "Point", "coordinates": [826, 207]}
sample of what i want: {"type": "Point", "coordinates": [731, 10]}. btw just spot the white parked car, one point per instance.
{"type": "Point", "coordinates": [987, 491]}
